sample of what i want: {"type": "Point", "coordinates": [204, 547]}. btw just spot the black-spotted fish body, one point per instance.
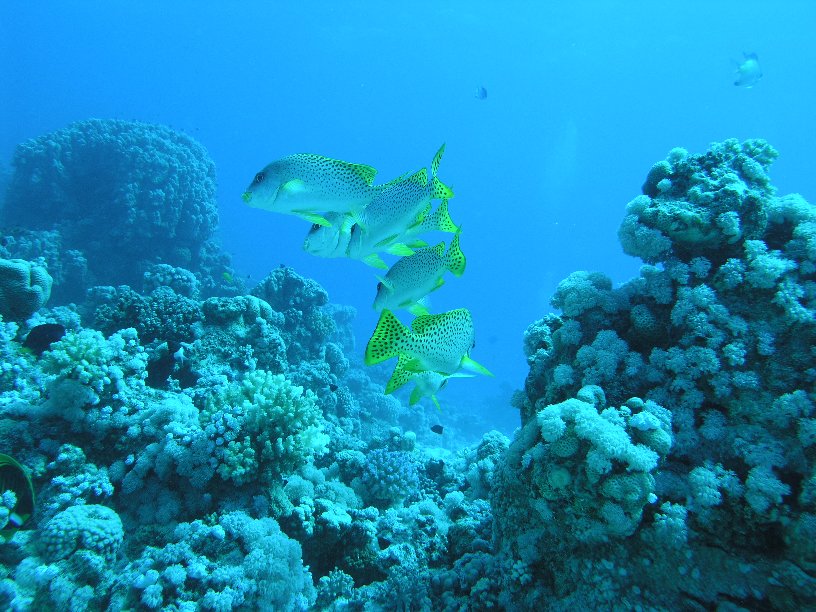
{"type": "Point", "coordinates": [400, 207]}
{"type": "Point", "coordinates": [435, 343]}
{"type": "Point", "coordinates": [413, 277]}
{"type": "Point", "coordinates": [309, 186]}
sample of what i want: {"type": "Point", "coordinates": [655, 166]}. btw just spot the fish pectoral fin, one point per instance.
{"type": "Point", "coordinates": [474, 366]}
{"type": "Point", "coordinates": [385, 242]}
{"type": "Point", "coordinates": [417, 244]}
{"type": "Point", "coordinates": [416, 395]}
{"type": "Point", "coordinates": [347, 223]}
{"type": "Point", "coordinates": [313, 218]}
{"type": "Point", "coordinates": [375, 261]}
{"type": "Point", "coordinates": [365, 172]}
{"type": "Point", "coordinates": [400, 249]}
{"type": "Point", "coordinates": [292, 187]}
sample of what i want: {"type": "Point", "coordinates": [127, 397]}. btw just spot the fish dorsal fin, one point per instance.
{"type": "Point", "coordinates": [454, 259]}
{"type": "Point", "coordinates": [400, 376]}
{"type": "Point", "coordinates": [420, 177]}
{"type": "Point", "coordinates": [363, 171]}
{"type": "Point", "coordinates": [375, 261]}
{"type": "Point", "coordinates": [387, 340]}
{"type": "Point", "coordinates": [473, 366]}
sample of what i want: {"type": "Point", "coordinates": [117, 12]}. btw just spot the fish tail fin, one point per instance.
{"type": "Point", "coordinates": [474, 366]}
{"type": "Point", "coordinates": [388, 337]}
{"type": "Point", "coordinates": [439, 220]}
{"type": "Point", "coordinates": [455, 259]}
{"type": "Point", "coordinates": [400, 376]}
{"type": "Point", "coordinates": [439, 190]}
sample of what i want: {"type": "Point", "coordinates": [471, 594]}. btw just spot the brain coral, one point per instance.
{"type": "Point", "coordinates": [24, 288]}
{"type": "Point", "coordinates": [111, 188]}
{"type": "Point", "coordinates": [91, 527]}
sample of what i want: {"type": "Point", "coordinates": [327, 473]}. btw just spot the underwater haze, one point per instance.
{"type": "Point", "coordinates": [181, 381]}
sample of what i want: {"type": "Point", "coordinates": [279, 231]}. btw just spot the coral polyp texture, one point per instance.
{"type": "Point", "coordinates": [716, 337]}
{"type": "Point", "coordinates": [201, 449]}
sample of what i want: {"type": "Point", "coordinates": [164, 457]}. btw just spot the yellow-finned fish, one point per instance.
{"type": "Point", "coordinates": [310, 186]}
{"type": "Point", "coordinates": [334, 240]}
{"type": "Point", "coordinates": [399, 209]}
{"type": "Point", "coordinates": [413, 277]}
{"type": "Point", "coordinates": [435, 343]}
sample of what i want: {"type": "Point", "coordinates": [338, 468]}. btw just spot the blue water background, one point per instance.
{"type": "Point", "coordinates": [583, 97]}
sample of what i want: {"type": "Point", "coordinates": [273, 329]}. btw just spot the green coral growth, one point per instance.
{"type": "Point", "coordinates": [279, 427]}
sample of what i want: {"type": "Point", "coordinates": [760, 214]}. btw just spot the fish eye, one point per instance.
{"type": "Point", "coordinates": [315, 227]}
{"type": "Point", "coordinates": [259, 178]}
{"type": "Point", "coordinates": [379, 286]}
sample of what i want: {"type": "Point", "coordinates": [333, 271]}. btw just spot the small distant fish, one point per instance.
{"type": "Point", "coordinates": [308, 186]}
{"type": "Point", "coordinates": [13, 477]}
{"type": "Point", "coordinates": [413, 277]}
{"type": "Point", "coordinates": [481, 93]}
{"type": "Point", "coordinates": [41, 337]}
{"type": "Point", "coordinates": [333, 387]}
{"type": "Point", "coordinates": [748, 72]}
{"type": "Point", "coordinates": [227, 277]}
{"type": "Point", "coordinates": [438, 343]}
{"type": "Point", "coordinates": [437, 429]}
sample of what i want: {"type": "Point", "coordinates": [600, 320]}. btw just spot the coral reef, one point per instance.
{"type": "Point", "coordinates": [106, 199]}
{"type": "Point", "coordinates": [716, 335]}
{"type": "Point", "coordinates": [218, 452]}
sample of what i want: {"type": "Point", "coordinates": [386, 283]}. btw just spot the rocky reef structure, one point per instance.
{"type": "Point", "coordinates": [101, 200]}
{"type": "Point", "coordinates": [668, 454]}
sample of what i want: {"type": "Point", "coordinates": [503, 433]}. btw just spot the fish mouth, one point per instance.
{"type": "Point", "coordinates": [247, 196]}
